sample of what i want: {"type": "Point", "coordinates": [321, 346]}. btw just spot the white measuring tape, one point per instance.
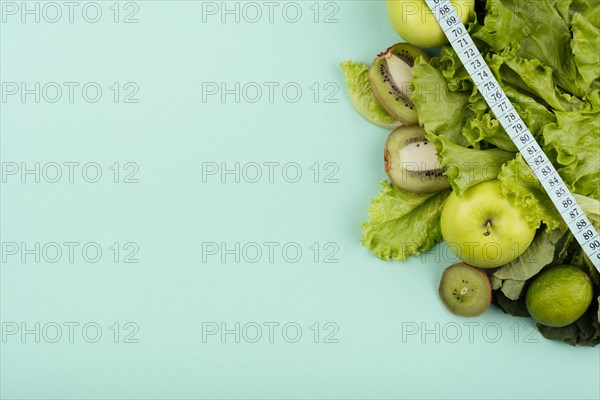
{"type": "Point", "coordinates": [514, 125]}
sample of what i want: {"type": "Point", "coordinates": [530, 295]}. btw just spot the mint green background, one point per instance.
{"type": "Point", "coordinates": [170, 212]}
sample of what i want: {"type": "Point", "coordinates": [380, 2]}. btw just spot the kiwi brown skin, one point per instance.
{"type": "Point", "coordinates": [386, 152]}
{"type": "Point", "coordinates": [391, 97]}
{"type": "Point", "coordinates": [470, 276]}
{"type": "Point", "coordinates": [387, 156]}
{"type": "Point", "coordinates": [427, 181]}
{"type": "Point", "coordinates": [406, 118]}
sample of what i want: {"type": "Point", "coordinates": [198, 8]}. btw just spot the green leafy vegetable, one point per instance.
{"type": "Point", "coordinates": [586, 49]}
{"type": "Point", "coordinates": [403, 224]}
{"type": "Point", "coordinates": [538, 33]}
{"type": "Point", "coordinates": [591, 208]}
{"type": "Point", "coordinates": [533, 77]}
{"type": "Point", "coordinates": [485, 127]}
{"type": "Point", "coordinates": [512, 307]}
{"type": "Point", "coordinates": [521, 185]}
{"type": "Point", "coordinates": [441, 111]}
{"type": "Point", "coordinates": [587, 8]}
{"type": "Point", "coordinates": [539, 254]}
{"type": "Point", "coordinates": [362, 97]}
{"type": "Point", "coordinates": [467, 167]}
{"type": "Point", "coordinates": [575, 142]}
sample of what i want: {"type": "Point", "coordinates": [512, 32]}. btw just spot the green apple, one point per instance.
{"type": "Point", "coordinates": [415, 23]}
{"type": "Point", "coordinates": [483, 227]}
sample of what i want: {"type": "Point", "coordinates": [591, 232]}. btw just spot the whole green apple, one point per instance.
{"type": "Point", "coordinates": [415, 23]}
{"type": "Point", "coordinates": [483, 227]}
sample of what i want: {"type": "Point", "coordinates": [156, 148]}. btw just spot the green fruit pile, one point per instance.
{"type": "Point", "coordinates": [455, 175]}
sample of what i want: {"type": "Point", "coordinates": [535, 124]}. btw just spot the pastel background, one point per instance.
{"type": "Point", "coordinates": [183, 184]}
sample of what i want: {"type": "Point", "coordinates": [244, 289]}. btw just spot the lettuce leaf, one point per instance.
{"type": "Point", "coordinates": [574, 143]}
{"type": "Point", "coordinates": [590, 207]}
{"type": "Point", "coordinates": [590, 9]}
{"type": "Point", "coordinates": [467, 167]}
{"type": "Point", "coordinates": [543, 251]}
{"type": "Point", "coordinates": [486, 128]}
{"type": "Point", "coordinates": [540, 253]}
{"type": "Point", "coordinates": [403, 224]}
{"type": "Point", "coordinates": [512, 307]}
{"type": "Point", "coordinates": [535, 115]}
{"type": "Point", "coordinates": [362, 98]}
{"type": "Point", "coordinates": [522, 186]}
{"type": "Point", "coordinates": [454, 71]}
{"type": "Point", "coordinates": [441, 111]}
{"type": "Point", "coordinates": [586, 49]}
{"type": "Point", "coordinates": [535, 78]}
{"type": "Point", "coordinates": [537, 33]}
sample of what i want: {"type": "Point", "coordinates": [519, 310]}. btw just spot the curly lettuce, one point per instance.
{"type": "Point", "coordinates": [403, 224]}
{"type": "Point", "coordinates": [467, 167]}
{"type": "Point", "coordinates": [537, 33]}
{"type": "Point", "coordinates": [574, 143]}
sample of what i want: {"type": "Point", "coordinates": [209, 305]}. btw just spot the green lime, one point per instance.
{"type": "Point", "coordinates": [559, 296]}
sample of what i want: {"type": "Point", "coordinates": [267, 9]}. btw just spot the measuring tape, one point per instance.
{"type": "Point", "coordinates": [514, 125]}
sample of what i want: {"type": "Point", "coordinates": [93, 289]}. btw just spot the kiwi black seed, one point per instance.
{"type": "Point", "coordinates": [390, 75]}
{"type": "Point", "coordinates": [465, 290]}
{"type": "Point", "coordinates": [411, 161]}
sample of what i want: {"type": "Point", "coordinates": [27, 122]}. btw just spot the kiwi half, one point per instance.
{"type": "Point", "coordinates": [465, 290]}
{"type": "Point", "coordinates": [411, 161]}
{"type": "Point", "coordinates": [390, 75]}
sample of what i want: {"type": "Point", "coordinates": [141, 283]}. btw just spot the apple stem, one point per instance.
{"type": "Point", "coordinates": [488, 227]}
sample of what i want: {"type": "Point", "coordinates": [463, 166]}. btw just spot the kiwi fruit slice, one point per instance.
{"type": "Point", "coordinates": [411, 161]}
{"type": "Point", "coordinates": [390, 75]}
{"type": "Point", "coordinates": [465, 290]}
